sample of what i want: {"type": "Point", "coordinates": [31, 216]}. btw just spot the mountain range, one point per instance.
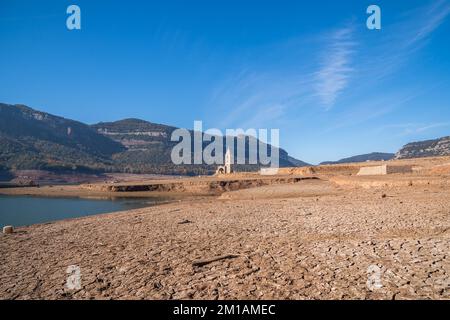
{"type": "Point", "coordinates": [420, 149]}
{"type": "Point", "coordinates": [374, 156]}
{"type": "Point", "coordinates": [31, 139]}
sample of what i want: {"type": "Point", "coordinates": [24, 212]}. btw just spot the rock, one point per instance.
{"type": "Point", "coordinates": [8, 229]}
{"type": "Point", "coordinates": [428, 148]}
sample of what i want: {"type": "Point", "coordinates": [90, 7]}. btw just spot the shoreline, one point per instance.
{"type": "Point", "coordinates": [316, 245]}
{"type": "Point", "coordinates": [287, 237]}
{"type": "Point", "coordinates": [147, 201]}
{"type": "Point", "coordinates": [78, 192]}
{"type": "Point", "coordinates": [171, 188]}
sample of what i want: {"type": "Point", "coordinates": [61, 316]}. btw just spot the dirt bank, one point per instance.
{"type": "Point", "coordinates": [177, 188]}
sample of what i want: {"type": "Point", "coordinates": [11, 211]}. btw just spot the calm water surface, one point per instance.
{"type": "Point", "coordinates": [26, 210]}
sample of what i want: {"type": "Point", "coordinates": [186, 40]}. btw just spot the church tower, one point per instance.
{"type": "Point", "coordinates": [228, 161]}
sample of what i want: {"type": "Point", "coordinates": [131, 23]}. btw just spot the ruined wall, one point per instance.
{"type": "Point", "coordinates": [325, 169]}
{"type": "Point", "coordinates": [399, 169]}
{"type": "Point", "coordinates": [372, 171]}
{"type": "Point", "coordinates": [384, 169]}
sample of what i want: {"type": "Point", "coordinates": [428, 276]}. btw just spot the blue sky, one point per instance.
{"type": "Point", "coordinates": [310, 68]}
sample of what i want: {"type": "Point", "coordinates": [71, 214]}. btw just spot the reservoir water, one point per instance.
{"type": "Point", "coordinates": [26, 210]}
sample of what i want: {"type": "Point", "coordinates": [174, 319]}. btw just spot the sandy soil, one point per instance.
{"type": "Point", "coordinates": [311, 240]}
{"type": "Point", "coordinates": [167, 188]}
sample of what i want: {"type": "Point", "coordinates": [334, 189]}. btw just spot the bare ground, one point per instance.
{"type": "Point", "coordinates": [310, 244]}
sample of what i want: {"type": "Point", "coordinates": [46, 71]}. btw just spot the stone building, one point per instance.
{"type": "Point", "coordinates": [226, 168]}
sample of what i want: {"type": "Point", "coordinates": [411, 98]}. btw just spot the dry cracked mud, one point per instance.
{"type": "Point", "coordinates": [300, 247]}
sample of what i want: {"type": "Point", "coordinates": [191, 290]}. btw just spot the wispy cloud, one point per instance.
{"type": "Point", "coordinates": [395, 46]}
{"type": "Point", "coordinates": [259, 97]}
{"type": "Point", "coordinates": [363, 111]}
{"type": "Point", "coordinates": [408, 129]}
{"type": "Point", "coordinates": [277, 90]}
{"type": "Point", "coordinates": [335, 71]}
{"type": "Point", "coordinates": [421, 128]}
{"type": "Point", "coordinates": [344, 58]}
{"type": "Point", "coordinates": [432, 18]}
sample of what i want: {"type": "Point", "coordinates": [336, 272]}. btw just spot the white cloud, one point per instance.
{"type": "Point", "coordinates": [415, 129]}
{"type": "Point", "coordinates": [335, 70]}
{"type": "Point", "coordinates": [431, 19]}
{"type": "Point", "coordinates": [258, 98]}
{"type": "Point", "coordinates": [328, 64]}
{"type": "Point", "coordinates": [408, 129]}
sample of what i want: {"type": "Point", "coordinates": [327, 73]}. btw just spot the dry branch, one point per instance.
{"type": "Point", "coordinates": [202, 262]}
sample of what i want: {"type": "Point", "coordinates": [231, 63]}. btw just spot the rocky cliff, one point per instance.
{"type": "Point", "coordinates": [428, 148]}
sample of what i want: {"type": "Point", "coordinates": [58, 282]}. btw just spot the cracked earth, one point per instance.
{"type": "Point", "coordinates": [313, 245]}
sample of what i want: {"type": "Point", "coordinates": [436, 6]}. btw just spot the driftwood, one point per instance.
{"type": "Point", "coordinates": [184, 221]}
{"type": "Point", "coordinates": [202, 262]}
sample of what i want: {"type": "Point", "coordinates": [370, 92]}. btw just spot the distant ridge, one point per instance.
{"type": "Point", "coordinates": [31, 139]}
{"type": "Point", "coordinates": [146, 141]}
{"type": "Point", "coordinates": [419, 149]}
{"type": "Point", "coordinates": [374, 156]}
{"type": "Point", "coordinates": [427, 148]}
